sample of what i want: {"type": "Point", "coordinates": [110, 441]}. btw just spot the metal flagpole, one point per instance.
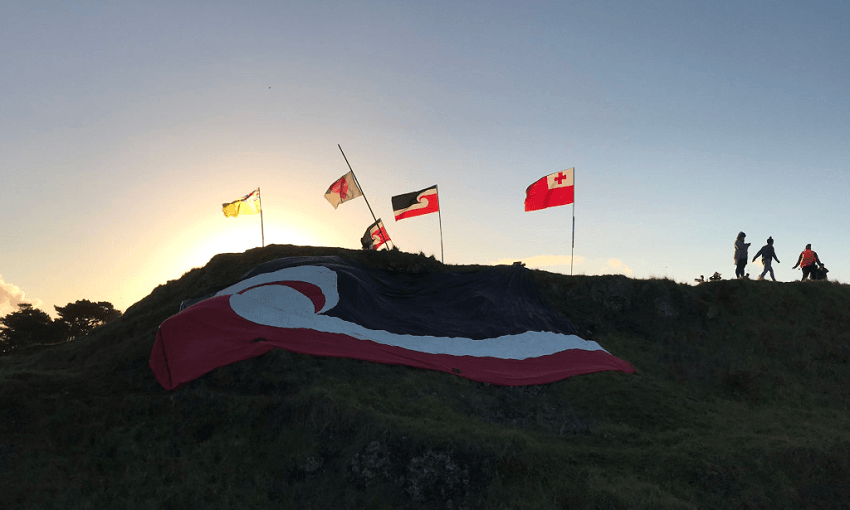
{"type": "Point", "coordinates": [262, 231]}
{"type": "Point", "coordinates": [574, 239]}
{"type": "Point", "coordinates": [572, 252]}
{"type": "Point", "coordinates": [361, 190]}
{"type": "Point", "coordinates": [440, 216]}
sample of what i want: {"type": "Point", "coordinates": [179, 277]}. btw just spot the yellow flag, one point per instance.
{"type": "Point", "coordinates": [249, 204]}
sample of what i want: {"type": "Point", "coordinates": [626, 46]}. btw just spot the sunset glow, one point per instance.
{"type": "Point", "coordinates": [125, 127]}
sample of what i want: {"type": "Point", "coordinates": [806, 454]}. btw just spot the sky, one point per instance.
{"type": "Point", "coordinates": [124, 126]}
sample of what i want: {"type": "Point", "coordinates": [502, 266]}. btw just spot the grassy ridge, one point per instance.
{"type": "Point", "coordinates": [740, 401]}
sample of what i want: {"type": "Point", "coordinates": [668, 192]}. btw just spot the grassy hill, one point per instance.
{"type": "Point", "coordinates": [740, 400]}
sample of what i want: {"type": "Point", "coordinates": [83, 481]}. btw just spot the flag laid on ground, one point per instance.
{"type": "Point", "coordinates": [550, 191]}
{"type": "Point", "coordinates": [415, 204]}
{"type": "Point", "coordinates": [325, 306]}
{"type": "Point", "coordinates": [342, 190]}
{"type": "Point", "coordinates": [249, 204]}
{"type": "Point", "coordinates": [375, 236]}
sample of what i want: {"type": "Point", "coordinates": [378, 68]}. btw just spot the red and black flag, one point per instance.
{"type": "Point", "coordinates": [416, 204]}
{"type": "Point", "coordinates": [375, 236]}
{"type": "Point", "coordinates": [325, 306]}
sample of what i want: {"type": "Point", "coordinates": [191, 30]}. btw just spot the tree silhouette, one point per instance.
{"type": "Point", "coordinates": [31, 326]}
{"type": "Point", "coordinates": [83, 316]}
{"type": "Point", "coordinates": [28, 326]}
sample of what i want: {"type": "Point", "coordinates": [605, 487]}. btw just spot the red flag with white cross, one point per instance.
{"type": "Point", "coordinates": [550, 191]}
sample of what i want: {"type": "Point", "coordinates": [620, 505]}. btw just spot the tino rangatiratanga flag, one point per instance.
{"type": "Point", "coordinates": [416, 203]}
{"type": "Point", "coordinates": [375, 236]}
{"type": "Point", "coordinates": [326, 306]}
{"type": "Point", "coordinates": [550, 191]}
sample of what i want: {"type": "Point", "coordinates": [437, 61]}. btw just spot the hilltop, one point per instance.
{"type": "Point", "coordinates": [740, 400]}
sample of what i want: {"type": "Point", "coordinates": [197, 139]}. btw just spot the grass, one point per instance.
{"type": "Point", "coordinates": [740, 401]}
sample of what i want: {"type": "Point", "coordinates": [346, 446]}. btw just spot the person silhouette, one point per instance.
{"type": "Point", "coordinates": [741, 255]}
{"type": "Point", "coordinates": [808, 261]}
{"type": "Point", "coordinates": [768, 254]}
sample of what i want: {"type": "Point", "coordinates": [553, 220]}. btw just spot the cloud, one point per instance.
{"type": "Point", "coordinates": [616, 266]}
{"type": "Point", "coordinates": [11, 296]}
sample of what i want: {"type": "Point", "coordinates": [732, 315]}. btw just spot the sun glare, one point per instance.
{"type": "Point", "coordinates": [232, 235]}
{"type": "Point", "coordinates": [193, 244]}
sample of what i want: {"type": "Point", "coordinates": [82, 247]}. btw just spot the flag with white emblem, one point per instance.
{"type": "Point", "coordinates": [488, 325]}
{"type": "Point", "coordinates": [416, 203]}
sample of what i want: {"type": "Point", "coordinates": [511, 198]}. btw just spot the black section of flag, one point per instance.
{"type": "Point", "coordinates": [506, 300]}
{"type": "Point", "coordinates": [416, 203]}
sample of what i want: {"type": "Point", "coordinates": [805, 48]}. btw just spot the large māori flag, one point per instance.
{"type": "Point", "coordinates": [488, 325]}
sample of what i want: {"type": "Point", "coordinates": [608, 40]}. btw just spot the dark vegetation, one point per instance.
{"type": "Point", "coordinates": [30, 326]}
{"type": "Point", "coordinates": [740, 400]}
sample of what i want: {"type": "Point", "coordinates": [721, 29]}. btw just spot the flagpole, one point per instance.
{"type": "Point", "coordinates": [440, 216]}
{"type": "Point", "coordinates": [574, 240]}
{"type": "Point", "coordinates": [262, 231]}
{"type": "Point", "coordinates": [572, 252]}
{"type": "Point", "coordinates": [360, 188]}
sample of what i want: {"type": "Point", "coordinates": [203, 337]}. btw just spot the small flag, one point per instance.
{"type": "Point", "coordinates": [375, 236]}
{"type": "Point", "coordinates": [416, 203]}
{"type": "Point", "coordinates": [249, 204]}
{"type": "Point", "coordinates": [343, 190]}
{"type": "Point", "coordinates": [550, 191]}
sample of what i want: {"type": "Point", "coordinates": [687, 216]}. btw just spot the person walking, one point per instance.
{"type": "Point", "coordinates": [741, 255]}
{"type": "Point", "coordinates": [768, 254]}
{"type": "Point", "coordinates": [808, 262]}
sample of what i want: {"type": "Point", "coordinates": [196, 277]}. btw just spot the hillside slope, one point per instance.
{"type": "Point", "coordinates": [740, 400]}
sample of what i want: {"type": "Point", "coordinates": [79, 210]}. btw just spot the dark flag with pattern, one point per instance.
{"type": "Point", "coordinates": [375, 237]}
{"type": "Point", "coordinates": [488, 325]}
{"type": "Point", "coordinates": [416, 204]}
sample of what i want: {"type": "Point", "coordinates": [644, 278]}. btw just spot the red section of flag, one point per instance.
{"type": "Point", "coordinates": [550, 191]}
{"type": "Point", "coordinates": [340, 187]}
{"type": "Point", "coordinates": [210, 335]}
{"type": "Point", "coordinates": [417, 203]}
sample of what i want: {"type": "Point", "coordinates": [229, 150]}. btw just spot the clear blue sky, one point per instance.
{"type": "Point", "coordinates": [126, 125]}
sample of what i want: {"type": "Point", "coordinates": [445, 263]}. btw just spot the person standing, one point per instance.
{"type": "Point", "coordinates": [741, 255]}
{"type": "Point", "coordinates": [808, 262]}
{"type": "Point", "coordinates": [767, 255]}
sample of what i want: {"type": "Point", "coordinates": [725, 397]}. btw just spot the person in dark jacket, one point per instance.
{"type": "Point", "coordinates": [768, 254]}
{"type": "Point", "coordinates": [808, 262]}
{"type": "Point", "coordinates": [741, 255]}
